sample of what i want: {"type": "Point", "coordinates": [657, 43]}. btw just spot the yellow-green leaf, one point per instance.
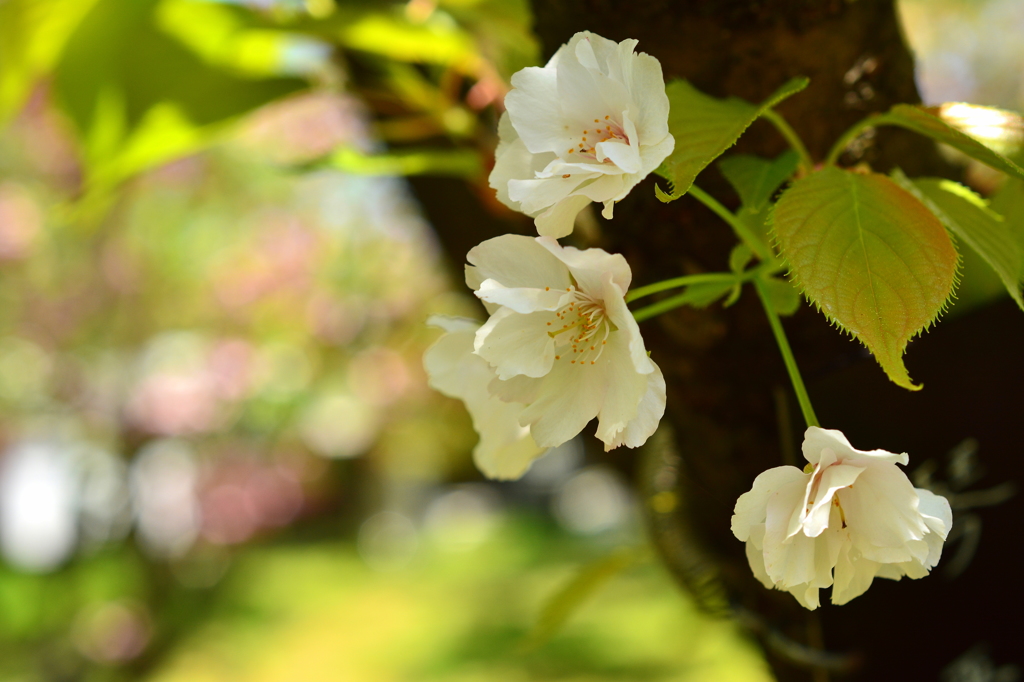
{"type": "Point", "coordinates": [705, 126]}
{"type": "Point", "coordinates": [968, 216]}
{"type": "Point", "coordinates": [756, 179]}
{"type": "Point", "coordinates": [872, 257]}
{"type": "Point", "coordinates": [927, 122]}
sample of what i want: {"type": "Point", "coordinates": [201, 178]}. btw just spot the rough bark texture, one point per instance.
{"type": "Point", "coordinates": [730, 410]}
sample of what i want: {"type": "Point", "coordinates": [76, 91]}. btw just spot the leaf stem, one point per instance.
{"type": "Point", "coordinates": [851, 134]}
{"type": "Point", "coordinates": [797, 145]}
{"type": "Point", "coordinates": [741, 230]}
{"type": "Point", "coordinates": [676, 282]}
{"type": "Point", "coordinates": [655, 309]}
{"type": "Point", "coordinates": [787, 354]}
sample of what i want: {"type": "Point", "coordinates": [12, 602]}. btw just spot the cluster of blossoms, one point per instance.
{"type": "Point", "coordinates": [560, 346]}
{"type": "Point", "coordinates": [850, 511]}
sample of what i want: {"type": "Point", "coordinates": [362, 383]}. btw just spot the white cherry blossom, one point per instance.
{"type": "Point", "coordinates": [587, 126]}
{"type": "Point", "coordinates": [850, 517]}
{"type": "Point", "coordinates": [505, 449]}
{"type": "Point", "coordinates": [562, 341]}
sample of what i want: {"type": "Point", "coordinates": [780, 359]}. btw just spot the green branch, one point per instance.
{"type": "Point", "coordinates": [742, 231]}
{"type": "Point", "coordinates": [795, 143]}
{"type": "Point", "coordinates": [787, 354]}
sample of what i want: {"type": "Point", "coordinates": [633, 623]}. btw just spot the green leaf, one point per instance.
{"type": "Point", "coordinates": [925, 122]}
{"type": "Point", "coordinates": [1009, 203]}
{"type": "Point", "coordinates": [704, 127]}
{"type": "Point", "coordinates": [755, 179]}
{"type": "Point", "coordinates": [784, 297]}
{"type": "Point", "coordinates": [968, 216]}
{"type": "Point", "coordinates": [997, 129]}
{"type": "Point", "coordinates": [462, 163]}
{"type": "Point", "coordinates": [873, 258]}
{"type": "Point", "coordinates": [583, 585]}
{"type": "Point", "coordinates": [121, 77]}
{"type": "Point", "coordinates": [739, 257]}
{"type": "Point", "coordinates": [32, 35]}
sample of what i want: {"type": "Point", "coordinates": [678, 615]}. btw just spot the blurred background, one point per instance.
{"type": "Point", "coordinates": [219, 459]}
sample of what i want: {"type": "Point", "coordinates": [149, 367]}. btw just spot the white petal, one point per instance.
{"type": "Point", "coordinates": [936, 512]}
{"type": "Point", "coordinates": [450, 323]}
{"type": "Point", "coordinates": [752, 506]}
{"type": "Point", "coordinates": [616, 311]}
{"type": "Point", "coordinates": [817, 439]}
{"type": "Point", "coordinates": [538, 194]}
{"type": "Point", "coordinates": [559, 220]}
{"type": "Point", "coordinates": [788, 560]}
{"type": "Point", "coordinates": [755, 557]}
{"type": "Point", "coordinates": [505, 459]}
{"type": "Point", "coordinates": [647, 85]}
{"type": "Point", "coordinates": [535, 109]}
{"type": "Point", "coordinates": [568, 397]}
{"type": "Point", "coordinates": [626, 387]}
{"type": "Point", "coordinates": [513, 343]}
{"type": "Point", "coordinates": [505, 449]}
{"type": "Point", "coordinates": [648, 414]}
{"type": "Point", "coordinates": [651, 156]}
{"type": "Point", "coordinates": [881, 512]}
{"type": "Point", "coordinates": [513, 161]}
{"type": "Point", "coordinates": [518, 389]}
{"type": "Point", "coordinates": [833, 479]}
{"type": "Point", "coordinates": [587, 94]}
{"type": "Point", "coordinates": [516, 261]}
{"type": "Point", "coordinates": [591, 268]}
{"type": "Point", "coordinates": [853, 575]}
{"type": "Point", "coordinates": [523, 300]}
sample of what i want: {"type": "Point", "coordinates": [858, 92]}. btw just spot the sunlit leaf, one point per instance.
{"type": "Point", "coordinates": [704, 127]}
{"type": "Point", "coordinates": [1009, 203]}
{"type": "Point", "coordinates": [998, 129]}
{"type": "Point", "coordinates": [32, 35]}
{"type": "Point", "coordinates": [756, 179]}
{"type": "Point", "coordinates": [120, 76]}
{"type": "Point", "coordinates": [873, 258]}
{"type": "Point", "coordinates": [925, 122]}
{"type": "Point", "coordinates": [432, 42]}
{"type": "Point", "coordinates": [582, 586]}
{"type": "Point", "coordinates": [968, 217]}
{"type": "Point", "coordinates": [463, 163]}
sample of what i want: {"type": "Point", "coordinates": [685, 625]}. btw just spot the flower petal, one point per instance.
{"type": "Point", "coordinates": [513, 343]}
{"type": "Point", "coordinates": [853, 575]}
{"type": "Point", "coordinates": [568, 397]}
{"type": "Point", "coordinates": [882, 513]}
{"type": "Point", "coordinates": [559, 220]}
{"type": "Point", "coordinates": [523, 300]}
{"type": "Point", "coordinates": [648, 414]}
{"type": "Point", "coordinates": [616, 311]}
{"type": "Point", "coordinates": [647, 84]}
{"type": "Point", "coordinates": [626, 389]}
{"type": "Point", "coordinates": [833, 479]}
{"type": "Point", "coordinates": [505, 449]}
{"type": "Point", "coordinates": [817, 439]}
{"type": "Point", "coordinates": [592, 267]}
{"type": "Point", "coordinates": [535, 109]}
{"type": "Point", "coordinates": [751, 507]}
{"type": "Point", "coordinates": [755, 557]}
{"type": "Point", "coordinates": [516, 261]}
{"type": "Point", "coordinates": [513, 161]}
